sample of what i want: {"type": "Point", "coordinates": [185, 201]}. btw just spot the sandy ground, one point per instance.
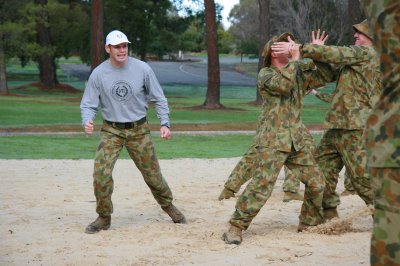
{"type": "Point", "coordinates": [46, 204]}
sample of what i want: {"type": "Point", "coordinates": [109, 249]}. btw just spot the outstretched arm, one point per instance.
{"type": "Point", "coordinates": [293, 49]}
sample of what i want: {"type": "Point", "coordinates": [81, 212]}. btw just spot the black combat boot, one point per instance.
{"type": "Point", "coordinates": [101, 223]}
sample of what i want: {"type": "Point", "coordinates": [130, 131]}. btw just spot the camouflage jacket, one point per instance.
{"type": "Point", "coordinates": [282, 91]}
{"type": "Point", "coordinates": [383, 134]}
{"type": "Point", "coordinates": [358, 83]}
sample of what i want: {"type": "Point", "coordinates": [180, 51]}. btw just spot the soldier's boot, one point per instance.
{"type": "Point", "coordinates": [303, 227]}
{"type": "Point", "coordinates": [226, 194]}
{"type": "Point", "coordinates": [176, 216]}
{"type": "Point", "coordinates": [101, 223]}
{"type": "Point", "coordinates": [348, 192]}
{"type": "Point", "coordinates": [233, 236]}
{"type": "Point", "coordinates": [330, 214]}
{"type": "Point", "coordinates": [289, 196]}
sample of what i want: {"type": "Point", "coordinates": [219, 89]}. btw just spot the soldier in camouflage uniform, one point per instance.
{"type": "Point", "coordinates": [349, 189]}
{"type": "Point", "coordinates": [383, 134]}
{"type": "Point", "coordinates": [281, 140]}
{"type": "Point", "coordinates": [122, 86]}
{"type": "Point", "coordinates": [244, 170]}
{"type": "Point", "coordinates": [358, 84]}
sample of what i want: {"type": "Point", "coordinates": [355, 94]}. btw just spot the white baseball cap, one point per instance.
{"type": "Point", "coordinates": [116, 37]}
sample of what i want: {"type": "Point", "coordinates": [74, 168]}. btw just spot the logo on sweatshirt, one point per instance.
{"type": "Point", "coordinates": [121, 91]}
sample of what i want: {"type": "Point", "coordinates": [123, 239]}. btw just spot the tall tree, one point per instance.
{"type": "Point", "coordinates": [264, 33]}
{"type": "Point", "coordinates": [213, 88]}
{"type": "Point", "coordinates": [300, 17]}
{"type": "Point", "coordinates": [97, 33]}
{"type": "Point", "coordinates": [15, 34]}
{"type": "Point", "coordinates": [244, 18]}
{"type": "Point", "coordinates": [47, 66]}
{"type": "Point", "coordinates": [141, 23]}
{"type": "Point", "coordinates": [3, 71]}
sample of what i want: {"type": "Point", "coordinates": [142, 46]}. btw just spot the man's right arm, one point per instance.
{"type": "Point", "coordinates": [340, 55]}
{"type": "Point", "coordinates": [89, 105]}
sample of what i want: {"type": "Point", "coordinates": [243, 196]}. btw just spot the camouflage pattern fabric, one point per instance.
{"type": "Point", "coordinates": [357, 86]}
{"type": "Point", "coordinates": [291, 182]}
{"type": "Point", "coordinates": [385, 242]}
{"type": "Point", "coordinates": [259, 189]}
{"type": "Point", "coordinates": [347, 181]}
{"type": "Point", "coordinates": [328, 97]}
{"type": "Point", "coordinates": [338, 148]}
{"type": "Point", "coordinates": [383, 134]}
{"type": "Point", "coordinates": [243, 170]}
{"type": "Point", "coordinates": [139, 145]}
{"type": "Point", "coordinates": [283, 105]}
{"type": "Point", "coordinates": [282, 140]}
{"type": "Point", "coordinates": [325, 97]}
{"type": "Point", "coordinates": [357, 89]}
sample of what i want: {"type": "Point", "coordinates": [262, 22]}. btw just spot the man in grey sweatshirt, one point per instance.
{"type": "Point", "coordinates": [122, 86]}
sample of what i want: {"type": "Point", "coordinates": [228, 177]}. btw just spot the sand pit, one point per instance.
{"type": "Point", "coordinates": [45, 206]}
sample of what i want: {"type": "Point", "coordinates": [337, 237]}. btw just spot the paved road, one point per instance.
{"type": "Point", "coordinates": [185, 72]}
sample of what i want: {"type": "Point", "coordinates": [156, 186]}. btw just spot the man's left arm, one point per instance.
{"type": "Point", "coordinates": [156, 95]}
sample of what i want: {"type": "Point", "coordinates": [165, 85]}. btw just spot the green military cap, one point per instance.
{"type": "Point", "coordinates": [267, 48]}
{"type": "Point", "coordinates": [363, 28]}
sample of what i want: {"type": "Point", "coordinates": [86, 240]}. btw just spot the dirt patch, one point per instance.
{"type": "Point", "coordinates": [341, 225]}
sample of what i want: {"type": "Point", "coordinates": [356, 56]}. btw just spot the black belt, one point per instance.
{"type": "Point", "coordinates": [127, 125]}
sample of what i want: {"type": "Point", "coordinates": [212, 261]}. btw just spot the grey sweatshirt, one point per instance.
{"type": "Point", "coordinates": [123, 93]}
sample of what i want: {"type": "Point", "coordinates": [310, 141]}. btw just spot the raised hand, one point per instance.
{"type": "Point", "coordinates": [294, 49]}
{"type": "Point", "coordinates": [319, 38]}
{"type": "Point", "coordinates": [289, 48]}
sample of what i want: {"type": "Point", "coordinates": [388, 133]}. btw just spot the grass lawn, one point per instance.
{"type": "Point", "coordinates": [29, 107]}
{"type": "Point", "coordinates": [82, 147]}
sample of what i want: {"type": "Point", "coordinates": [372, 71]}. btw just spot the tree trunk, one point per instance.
{"type": "Point", "coordinates": [213, 89]}
{"type": "Point", "coordinates": [264, 34]}
{"type": "Point", "coordinates": [96, 34]}
{"type": "Point", "coordinates": [47, 66]}
{"type": "Point", "coordinates": [3, 69]}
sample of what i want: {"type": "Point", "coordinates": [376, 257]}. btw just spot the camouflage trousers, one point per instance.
{"type": "Point", "coordinates": [339, 148]}
{"type": "Point", "coordinates": [243, 172]}
{"type": "Point", "coordinates": [292, 184]}
{"type": "Point", "coordinates": [139, 145]}
{"type": "Point", "coordinates": [347, 181]}
{"type": "Point", "coordinates": [268, 165]}
{"type": "Point", "coordinates": [385, 242]}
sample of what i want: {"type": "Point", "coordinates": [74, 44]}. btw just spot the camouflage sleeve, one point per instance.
{"type": "Point", "coordinates": [325, 97]}
{"type": "Point", "coordinates": [316, 74]}
{"type": "Point", "coordinates": [341, 55]}
{"type": "Point", "coordinates": [277, 82]}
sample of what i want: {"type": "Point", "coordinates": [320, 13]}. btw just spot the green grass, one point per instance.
{"type": "Point", "coordinates": [46, 108]}
{"type": "Point", "coordinates": [31, 107]}
{"type": "Point", "coordinates": [82, 147]}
